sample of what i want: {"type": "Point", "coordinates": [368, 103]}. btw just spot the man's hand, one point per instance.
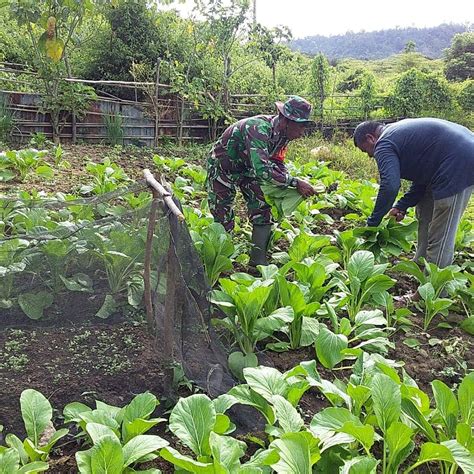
{"type": "Point", "coordinates": [304, 188]}
{"type": "Point", "coordinates": [397, 214]}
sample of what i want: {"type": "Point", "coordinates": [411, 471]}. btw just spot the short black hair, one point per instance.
{"type": "Point", "coordinates": [364, 129]}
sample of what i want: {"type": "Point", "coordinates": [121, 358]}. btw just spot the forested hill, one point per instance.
{"type": "Point", "coordinates": [380, 44]}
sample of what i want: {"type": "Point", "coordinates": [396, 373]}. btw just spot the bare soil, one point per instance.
{"type": "Point", "coordinates": [446, 354]}
{"type": "Point", "coordinates": [86, 361]}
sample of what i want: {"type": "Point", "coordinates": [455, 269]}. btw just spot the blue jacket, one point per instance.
{"type": "Point", "coordinates": [427, 151]}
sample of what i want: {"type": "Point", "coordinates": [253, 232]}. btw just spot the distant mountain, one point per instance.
{"type": "Point", "coordinates": [380, 44]}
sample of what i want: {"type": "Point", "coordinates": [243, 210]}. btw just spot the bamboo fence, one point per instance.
{"type": "Point", "coordinates": [157, 114]}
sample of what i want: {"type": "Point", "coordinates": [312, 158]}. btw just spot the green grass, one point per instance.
{"type": "Point", "coordinates": [388, 68]}
{"type": "Point", "coordinates": [341, 154]}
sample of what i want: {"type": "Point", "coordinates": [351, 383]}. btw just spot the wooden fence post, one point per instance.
{"type": "Point", "coordinates": [157, 95]}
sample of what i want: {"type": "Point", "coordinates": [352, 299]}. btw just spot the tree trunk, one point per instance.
{"type": "Point", "coordinates": [73, 115]}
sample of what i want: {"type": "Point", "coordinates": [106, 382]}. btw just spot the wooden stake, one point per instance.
{"type": "Point", "coordinates": [163, 193]}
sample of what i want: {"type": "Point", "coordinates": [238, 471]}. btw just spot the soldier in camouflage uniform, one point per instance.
{"type": "Point", "coordinates": [250, 152]}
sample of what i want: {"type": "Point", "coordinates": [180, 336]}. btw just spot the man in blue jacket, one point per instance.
{"type": "Point", "coordinates": [437, 156]}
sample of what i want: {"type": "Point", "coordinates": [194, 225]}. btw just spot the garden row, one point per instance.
{"type": "Point", "coordinates": [333, 285]}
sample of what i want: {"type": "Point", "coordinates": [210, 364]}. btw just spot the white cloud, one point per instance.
{"type": "Point", "coordinates": [312, 17]}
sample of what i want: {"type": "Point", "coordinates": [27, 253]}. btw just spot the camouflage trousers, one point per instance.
{"type": "Point", "coordinates": [221, 191]}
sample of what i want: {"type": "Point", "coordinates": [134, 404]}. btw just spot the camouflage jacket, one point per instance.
{"type": "Point", "coordinates": [253, 147]}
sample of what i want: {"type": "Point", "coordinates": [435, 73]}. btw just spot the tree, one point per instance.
{"type": "Point", "coordinates": [50, 25]}
{"type": "Point", "coordinates": [224, 23]}
{"type": "Point", "coordinates": [319, 84]}
{"type": "Point", "coordinates": [352, 80]}
{"type": "Point", "coordinates": [267, 42]}
{"type": "Point", "coordinates": [416, 93]}
{"type": "Point", "coordinates": [466, 97]}
{"type": "Point", "coordinates": [368, 94]}
{"type": "Point", "coordinates": [459, 58]}
{"type": "Point", "coordinates": [410, 47]}
{"type": "Point", "coordinates": [131, 37]}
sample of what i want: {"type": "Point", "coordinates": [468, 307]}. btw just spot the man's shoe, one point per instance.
{"type": "Point", "coordinates": [260, 239]}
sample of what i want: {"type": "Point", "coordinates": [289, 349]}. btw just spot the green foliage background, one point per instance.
{"type": "Point", "coordinates": [218, 53]}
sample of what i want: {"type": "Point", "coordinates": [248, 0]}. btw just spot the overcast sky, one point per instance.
{"type": "Point", "coordinates": [332, 17]}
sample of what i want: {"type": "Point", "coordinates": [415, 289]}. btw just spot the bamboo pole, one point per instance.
{"type": "Point", "coordinates": [164, 194]}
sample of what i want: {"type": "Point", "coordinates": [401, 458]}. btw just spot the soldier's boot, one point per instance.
{"type": "Point", "coordinates": [260, 239]}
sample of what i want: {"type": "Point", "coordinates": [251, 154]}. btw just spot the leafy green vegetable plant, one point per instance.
{"type": "Point", "coordinates": [168, 164]}
{"type": "Point", "coordinates": [11, 264]}
{"type": "Point", "coordinates": [127, 422]}
{"type": "Point", "coordinates": [10, 463]}
{"type": "Point", "coordinates": [32, 453]}
{"type": "Point", "coordinates": [368, 332]}
{"type": "Point", "coordinates": [121, 253]}
{"type": "Point", "coordinates": [106, 177]}
{"type": "Point", "coordinates": [434, 282]}
{"type": "Point", "coordinates": [200, 424]}
{"type": "Point", "coordinates": [109, 455]}
{"type": "Point", "coordinates": [390, 238]}
{"type": "Point", "coordinates": [362, 281]}
{"type": "Point", "coordinates": [348, 243]}
{"type": "Point", "coordinates": [382, 409]}
{"type": "Point", "coordinates": [356, 195]}
{"type": "Point", "coordinates": [22, 162]}
{"type": "Point", "coordinates": [117, 435]}
{"type": "Point", "coordinates": [433, 303]}
{"type": "Point", "coordinates": [247, 319]}
{"type": "Point", "coordinates": [58, 155]}
{"type": "Point", "coordinates": [303, 245]}
{"type": "Point", "coordinates": [215, 247]}
{"type": "Point", "coordinates": [302, 329]}
{"type": "Point", "coordinates": [284, 201]}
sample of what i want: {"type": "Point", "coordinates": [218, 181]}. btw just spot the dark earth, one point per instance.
{"type": "Point", "coordinates": [83, 360]}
